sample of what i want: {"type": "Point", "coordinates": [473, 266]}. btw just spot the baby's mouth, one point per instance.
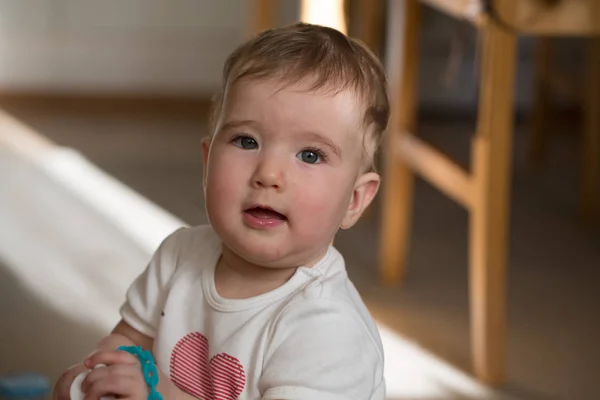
{"type": "Point", "coordinates": [265, 213]}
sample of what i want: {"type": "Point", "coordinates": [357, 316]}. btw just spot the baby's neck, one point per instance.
{"type": "Point", "coordinates": [236, 278]}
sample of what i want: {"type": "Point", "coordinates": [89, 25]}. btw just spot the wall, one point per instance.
{"type": "Point", "coordinates": [147, 46]}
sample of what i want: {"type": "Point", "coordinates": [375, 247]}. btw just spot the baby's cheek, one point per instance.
{"type": "Point", "coordinates": [222, 182]}
{"type": "Point", "coordinates": [219, 201]}
{"type": "Point", "coordinates": [317, 211]}
{"type": "Point", "coordinates": [220, 190]}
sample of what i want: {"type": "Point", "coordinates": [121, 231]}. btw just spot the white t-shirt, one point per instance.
{"type": "Point", "coordinates": [312, 338]}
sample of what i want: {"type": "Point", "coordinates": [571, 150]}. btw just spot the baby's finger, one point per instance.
{"type": "Point", "coordinates": [117, 370]}
{"type": "Point", "coordinates": [110, 385]}
{"type": "Point", "coordinates": [63, 385]}
{"type": "Point", "coordinates": [94, 376]}
{"type": "Point", "coordinates": [110, 357]}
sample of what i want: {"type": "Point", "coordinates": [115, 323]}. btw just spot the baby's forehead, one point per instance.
{"type": "Point", "coordinates": [299, 101]}
{"type": "Point", "coordinates": [273, 86]}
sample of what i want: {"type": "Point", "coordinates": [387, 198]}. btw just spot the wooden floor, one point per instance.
{"type": "Point", "coordinates": [553, 349]}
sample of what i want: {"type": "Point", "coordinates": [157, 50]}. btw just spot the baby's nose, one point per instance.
{"type": "Point", "coordinates": [269, 174]}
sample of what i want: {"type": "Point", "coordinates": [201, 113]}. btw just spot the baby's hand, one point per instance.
{"type": "Point", "coordinates": [122, 377]}
{"type": "Point", "coordinates": [63, 385]}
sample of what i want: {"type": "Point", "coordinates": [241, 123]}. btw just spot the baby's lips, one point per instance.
{"type": "Point", "coordinates": [266, 213]}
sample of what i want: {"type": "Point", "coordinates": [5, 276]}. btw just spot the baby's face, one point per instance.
{"type": "Point", "coordinates": [281, 171]}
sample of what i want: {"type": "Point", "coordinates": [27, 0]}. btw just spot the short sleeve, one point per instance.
{"type": "Point", "coordinates": [321, 349]}
{"type": "Point", "coordinates": [146, 295]}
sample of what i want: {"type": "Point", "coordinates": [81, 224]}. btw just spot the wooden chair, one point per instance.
{"type": "Point", "coordinates": [484, 191]}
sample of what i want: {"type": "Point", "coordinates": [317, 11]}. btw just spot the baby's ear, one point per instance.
{"type": "Point", "coordinates": [205, 151]}
{"type": "Point", "coordinates": [365, 189]}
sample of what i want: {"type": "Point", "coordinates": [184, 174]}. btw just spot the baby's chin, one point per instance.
{"type": "Point", "coordinates": [273, 254]}
{"type": "Point", "coordinates": [278, 248]}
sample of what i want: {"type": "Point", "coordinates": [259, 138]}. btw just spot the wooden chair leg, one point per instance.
{"type": "Point", "coordinates": [368, 23]}
{"type": "Point", "coordinates": [544, 50]}
{"type": "Point", "coordinates": [398, 178]}
{"type": "Point", "coordinates": [590, 173]}
{"type": "Point", "coordinates": [492, 148]}
{"type": "Point", "coordinates": [264, 15]}
{"type": "Point", "coordinates": [370, 32]}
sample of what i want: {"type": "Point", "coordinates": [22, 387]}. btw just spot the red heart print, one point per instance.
{"type": "Point", "coordinates": [221, 378]}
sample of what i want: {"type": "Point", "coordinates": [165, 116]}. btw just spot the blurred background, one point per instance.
{"type": "Point", "coordinates": [103, 104]}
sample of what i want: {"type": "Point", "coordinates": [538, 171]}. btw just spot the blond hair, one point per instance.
{"type": "Point", "coordinates": [331, 60]}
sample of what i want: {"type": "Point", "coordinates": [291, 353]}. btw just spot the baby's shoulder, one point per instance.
{"type": "Point", "coordinates": [192, 240]}
{"type": "Point", "coordinates": [329, 321]}
{"type": "Point", "coordinates": [333, 296]}
{"type": "Point", "coordinates": [330, 304]}
{"type": "Point", "coordinates": [328, 285]}
{"type": "Point", "coordinates": [188, 246]}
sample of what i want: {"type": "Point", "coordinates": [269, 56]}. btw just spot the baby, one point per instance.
{"type": "Point", "coordinates": [258, 304]}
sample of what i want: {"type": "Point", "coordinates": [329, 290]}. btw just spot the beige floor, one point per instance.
{"type": "Point", "coordinates": [553, 350]}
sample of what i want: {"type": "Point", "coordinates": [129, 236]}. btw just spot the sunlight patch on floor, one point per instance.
{"type": "Point", "coordinates": [411, 372]}
{"type": "Point", "coordinates": [83, 277]}
{"type": "Point", "coordinates": [139, 218]}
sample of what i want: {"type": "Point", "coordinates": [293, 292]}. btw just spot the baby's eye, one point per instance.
{"type": "Point", "coordinates": [245, 142]}
{"type": "Point", "coordinates": [311, 156]}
